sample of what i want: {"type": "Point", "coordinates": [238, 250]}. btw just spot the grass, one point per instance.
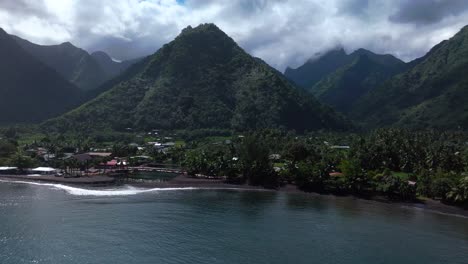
{"type": "Point", "coordinates": [147, 139]}
{"type": "Point", "coordinates": [180, 143]}
{"type": "Point", "coordinates": [279, 164]}
{"type": "Point", "coordinates": [216, 139]}
{"type": "Point", "coordinates": [401, 175]}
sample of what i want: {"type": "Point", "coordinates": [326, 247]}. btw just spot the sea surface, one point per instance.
{"type": "Point", "coordinates": [53, 223]}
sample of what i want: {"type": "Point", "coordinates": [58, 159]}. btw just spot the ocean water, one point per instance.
{"type": "Point", "coordinates": [53, 223]}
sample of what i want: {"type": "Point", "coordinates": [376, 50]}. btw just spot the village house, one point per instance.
{"type": "Point", "coordinates": [8, 170]}
{"type": "Point", "coordinates": [114, 164]}
{"type": "Point", "coordinates": [43, 171]}
{"type": "Point", "coordinates": [275, 157]}
{"type": "Point", "coordinates": [89, 156]}
{"type": "Point", "coordinates": [42, 153]}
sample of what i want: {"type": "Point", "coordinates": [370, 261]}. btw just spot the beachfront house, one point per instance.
{"type": "Point", "coordinates": [162, 147]}
{"type": "Point", "coordinates": [275, 157]}
{"type": "Point", "coordinates": [83, 158]}
{"type": "Point", "coordinates": [44, 171]}
{"type": "Point", "coordinates": [8, 170]}
{"type": "Point", "coordinates": [114, 164]}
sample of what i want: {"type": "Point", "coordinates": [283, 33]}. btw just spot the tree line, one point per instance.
{"type": "Point", "coordinates": [399, 164]}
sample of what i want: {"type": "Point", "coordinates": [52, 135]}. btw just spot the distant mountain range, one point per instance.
{"type": "Point", "coordinates": [202, 79]}
{"type": "Point", "coordinates": [381, 90]}
{"type": "Point", "coordinates": [343, 78]}
{"type": "Point", "coordinates": [41, 82]}
{"type": "Point", "coordinates": [30, 91]}
{"type": "Point", "coordinates": [86, 71]}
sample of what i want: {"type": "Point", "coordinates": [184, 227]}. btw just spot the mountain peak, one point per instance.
{"type": "Point", "coordinates": [315, 69]}
{"type": "Point", "coordinates": [203, 26]}
{"type": "Point", "coordinates": [101, 55]}
{"type": "Point", "coordinates": [203, 29]}
{"type": "Point", "coordinates": [362, 51]}
{"type": "Point", "coordinates": [203, 45]}
{"type": "Point", "coordinates": [68, 45]}
{"type": "Point", "coordinates": [336, 52]}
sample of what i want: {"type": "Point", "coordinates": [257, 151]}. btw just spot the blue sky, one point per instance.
{"type": "Point", "coordinates": [281, 32]}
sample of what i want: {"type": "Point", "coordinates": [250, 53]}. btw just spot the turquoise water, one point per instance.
{"type": "Point", "coordinates": [59, 224]}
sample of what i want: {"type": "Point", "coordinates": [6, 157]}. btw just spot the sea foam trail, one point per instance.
{"type": "Point", "coordinates": [123, 191]}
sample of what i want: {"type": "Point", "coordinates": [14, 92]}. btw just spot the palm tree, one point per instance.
{"type": "Point", "coordinates": [459, 194]}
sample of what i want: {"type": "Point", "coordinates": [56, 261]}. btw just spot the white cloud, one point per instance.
{"type": "Point", "coordinates": [282, 32]}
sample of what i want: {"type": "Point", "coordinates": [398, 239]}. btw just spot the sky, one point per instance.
{"type": "Point", "coordinates": [281, 32]}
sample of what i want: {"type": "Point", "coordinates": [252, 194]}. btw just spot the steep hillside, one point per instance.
{"type": "Point", "coordinates": [202, 79]}
{"type": "Point", "coordinates": [431, 94]}
{"type": "Point", "coordinates": [342, 88]}
{"type": "Point", "coordinates": [30, 91]}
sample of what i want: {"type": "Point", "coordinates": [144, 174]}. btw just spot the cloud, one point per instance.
{"type": "Point", "coordinates": [24, 7]}
{"type": "Point", "coordinates": [281, 32]}
{"type": "Point", "coordinates": [428, 11]}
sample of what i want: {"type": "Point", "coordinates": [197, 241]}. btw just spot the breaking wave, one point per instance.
{"type": "Point", "coordinates": [120, 191]}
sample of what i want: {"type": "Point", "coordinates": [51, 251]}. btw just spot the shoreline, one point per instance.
{"type": "Point", "coordinates": [182, 181]}
{"type": "Point", "coordinates": [93, 180]}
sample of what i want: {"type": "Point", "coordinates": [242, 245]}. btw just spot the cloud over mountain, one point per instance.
{"type": "Point", "coordinates": [280, 32]}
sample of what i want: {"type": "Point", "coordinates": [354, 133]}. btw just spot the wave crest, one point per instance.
{"type": "Point", "coordinates": [121, 191]}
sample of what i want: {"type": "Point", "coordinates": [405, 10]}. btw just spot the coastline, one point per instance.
{"type": "Point", "coordinates": [182, 181]}
{"type": "Point", "coordinates": [94, 180]}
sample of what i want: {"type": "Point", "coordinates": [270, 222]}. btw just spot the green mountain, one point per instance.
{"type": "Point", "coordinates": [314, 70]}
{"type": "Point", "coordinates": [76, 65]}
{"type": "Point", "coordinates": [431, 94]}
{"type": "Point", "coordinates": [342, 88]}
{"type": "Point", "coordinates": [30, 91]}
{"type": "Point", "coordinates": [202, 79]}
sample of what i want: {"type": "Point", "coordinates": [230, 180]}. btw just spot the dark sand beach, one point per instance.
{"type": "Point", "coordinates": [183, 181]}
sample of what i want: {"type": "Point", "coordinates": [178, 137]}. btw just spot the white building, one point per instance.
{"type": "Point", "coordinates": [44, 171]}
{"type": "Point", "coordinates": [8, 170]}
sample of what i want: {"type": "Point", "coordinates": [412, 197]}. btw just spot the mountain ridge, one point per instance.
{"type": "Point", "coordinates": [367, 70]}
{"type": "Point", "coordinates": [312, 71]}
{"type": "Point", "coordinates": [75, 64]}
{"type": "Point", "coordinates": [427, 95]}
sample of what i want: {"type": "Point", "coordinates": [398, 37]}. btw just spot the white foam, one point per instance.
{"type": "Point", "coordinates": [121, 191]}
